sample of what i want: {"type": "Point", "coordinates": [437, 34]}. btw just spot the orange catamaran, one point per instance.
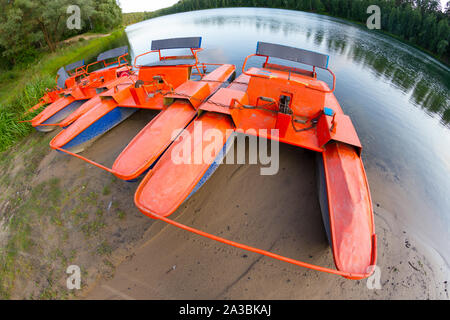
{"type": "Point", "coordinates": [275, 102]}
{"type": "Point", "coordinates": [302, 111]}
{"type": "Point", "coordinates": [66, 77]}
{"type": "Point", "coordinates": [79, 91]}
{"type": "Point", "coordinates": [154, 89]}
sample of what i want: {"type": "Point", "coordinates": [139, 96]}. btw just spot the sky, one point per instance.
{"type": "Point", "coordinates": [151, 5]}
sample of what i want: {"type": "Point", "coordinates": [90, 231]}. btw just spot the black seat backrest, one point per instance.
{"type": "Point", "coordinates": [74, 65]}
{"type": "Point", "coordinates": [62, 77]}
{"type": "Point", "coordinates": [292, 54]}
{"type": "Point", "coordinates": [177, 43]}
{"type": "Point", "coordinates": [113, 53]}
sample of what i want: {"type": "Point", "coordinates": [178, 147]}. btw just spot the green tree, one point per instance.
{"type": "Point", "coordinates": [392, 19]}
{"type": "Point", "coordinates": [29, 25]}
{"type": "Point", "coordinates": [428, 34]}
{"type": "Point", "coordinates": [318, 6]}
{"type": "Point", "coordinates": [16, 36]}
{"type": "Point", "coordinates": [442, 47]}
{"type": "Point", "coordinates": [420, 22]}
{"type": "Point", "coordinates": [107, 15]}
{"type": "Point", "coordinates": [428, 5]}
{"type": "Point", "coordinates": [47, 17]}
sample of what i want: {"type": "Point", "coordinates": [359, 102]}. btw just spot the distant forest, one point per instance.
{"type": "Point", "coordinates": [422, 23]}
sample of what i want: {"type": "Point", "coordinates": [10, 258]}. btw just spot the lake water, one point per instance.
{"type": "Point", "coordinates": [397, 97]}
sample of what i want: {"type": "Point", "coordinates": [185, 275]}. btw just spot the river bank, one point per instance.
{"type": "Point", "coordinates": [24, 85]}
{"type": "Point", "coordinates": [67, 212]}
{"type": "Point", "coordinates": [57, 211]}
{"type": "Point", "coordinates": [280, 214]}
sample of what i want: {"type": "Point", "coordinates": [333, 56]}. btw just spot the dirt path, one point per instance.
{"type": "Point", "coordinates": [85, 37]}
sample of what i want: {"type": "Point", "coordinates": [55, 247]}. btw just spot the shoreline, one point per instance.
{"type": "Point", "coordinates": [124, 254]}
{"type": "Point", "coordinates": [443, 62]}
{"type": "Point", "coordinates": [185, 269]}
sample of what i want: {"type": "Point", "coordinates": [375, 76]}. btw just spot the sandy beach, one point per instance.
{"type": "Point", "coordinates": [60, 214]}
{"type": "Point", "coordinates": [147, 259]}
{"type": "Point", "coordinates": [277, 213]}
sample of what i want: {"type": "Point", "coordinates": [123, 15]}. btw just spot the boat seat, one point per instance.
{"type": "Point", "coordinates": [62, 77]}
{"type": "Point", "coordinates": [75, 65]}
{"type": "Point", "coordinates": [171, 62]}
{"type": "Point", "coordinates": [108, 67]}
{"type": "Point", "coordinates": [113, 53]}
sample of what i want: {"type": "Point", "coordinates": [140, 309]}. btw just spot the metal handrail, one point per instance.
{"type": "Point", "coordinates": [105, 64]}
{"type": "Point", "coordinates": [269, 77]}
{"type": "Point", "coordinates": [194, 51]}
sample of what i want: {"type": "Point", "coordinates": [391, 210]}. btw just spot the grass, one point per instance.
{"type": "Point", "coordinates": [49, 225]}
{"type": "Point", "coordinates": [104, 249]}
{"type": "Point", "coordinates": [92, 198]}
{"type": "Point", "coordinates": [93, 227]}
{"type": "Point", "coordinates": [23, 86]}
{"type": "Point", "coordinates": [120, 214]}
{"type": "Point", "coordinates": [40, 220]}
{"type": "Point", "coordinates": [20, 229]}
{"type": "Point", "coordinates": [106, 190]}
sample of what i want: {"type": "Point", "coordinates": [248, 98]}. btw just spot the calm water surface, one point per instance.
{"type": "Point", "coordinates": [398, 99]}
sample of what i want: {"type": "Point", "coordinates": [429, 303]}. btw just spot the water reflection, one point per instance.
{"type": "Point", "coordinates": [401, 72]}
{"type": "Point", "coordinates": [398, 98]}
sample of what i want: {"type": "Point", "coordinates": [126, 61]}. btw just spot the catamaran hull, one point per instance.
{"type": "Point", "coordinates": [350, 216]}
{"type": "Point", "coordinates": [97, 128]}
{"type": "Point", "coordinates": [172, 181]}
{"type": "Point", "coordinates": [146, 148]}
{"type": "Point", "coordinates": [60, 116]}
{"type": "Point", "coordinates": [323, 196]}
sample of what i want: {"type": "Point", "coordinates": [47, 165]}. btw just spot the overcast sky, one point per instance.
{"type": "Point", "coordinates": [151, 5]}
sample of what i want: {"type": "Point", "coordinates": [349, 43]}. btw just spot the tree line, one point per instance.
{"type": "Point", "coordinates": [29, 27]}
{"type": "Point", "coordinates": [420, 22]}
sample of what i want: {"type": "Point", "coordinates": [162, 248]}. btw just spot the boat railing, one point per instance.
{"type": "Point", "coordinates": [314, 59]}
{"type": "Point", "coordinates": [119, 53]}
{"type": "Point", "coordinates": [191, 43]}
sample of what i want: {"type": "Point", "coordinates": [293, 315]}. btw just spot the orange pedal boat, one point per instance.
{"type": "Point", "coordinates": [82, 89]}
{"type": "Point", "coordinates": [66, 77]}
{"type": "Point", "coordinates": [168, 85]}
{"type": "Point", "coordinates": [291, 106]}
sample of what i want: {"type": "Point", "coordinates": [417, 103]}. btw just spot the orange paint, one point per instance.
{"type": "Point", "coordinates": [81, 85]}
{"type": "Point", "coordinates": [293, 101]}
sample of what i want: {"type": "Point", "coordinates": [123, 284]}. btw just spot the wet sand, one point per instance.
{"type": "Point", "coordinates": [277, 213]}
{"type": "Point", "coordinates": [151, 260]}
